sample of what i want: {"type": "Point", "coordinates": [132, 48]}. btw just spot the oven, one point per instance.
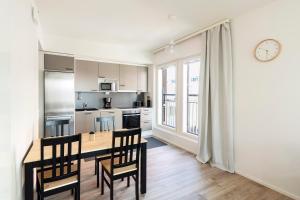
{"type": "Point", "coordinates": [131, 118]}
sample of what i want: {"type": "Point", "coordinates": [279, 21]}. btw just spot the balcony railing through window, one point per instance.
{"type": "Point", "coordinates": [192, 114]}
{"type": "Point", "coordinates": [169, 110]}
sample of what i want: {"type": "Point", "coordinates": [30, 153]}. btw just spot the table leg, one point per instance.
{"type": "Point", "coordinates": [28, 182]}
{"type": "Point", "coordinates": [144, 168]}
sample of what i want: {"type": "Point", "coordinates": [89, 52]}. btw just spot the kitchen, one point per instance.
{"type": "Point", "coordinates": [91, 89]}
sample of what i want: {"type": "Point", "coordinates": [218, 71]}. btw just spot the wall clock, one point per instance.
{"type": "Point", "coordinates": [267, 50]}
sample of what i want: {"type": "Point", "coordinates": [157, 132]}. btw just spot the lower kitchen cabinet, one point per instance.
{"type": "Point", "coordinates": [84, 121]}
{"type": "Point", "coordinates": [116, 113]}
{"type": "Point", "coordinates": [146, 119]}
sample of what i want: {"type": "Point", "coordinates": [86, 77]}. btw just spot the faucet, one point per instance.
{"type": "Point", "coordinates": [84, 105]}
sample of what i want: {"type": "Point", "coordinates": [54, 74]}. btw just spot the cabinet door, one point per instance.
{"type": "Point", "coordinates": [118, 117]}
{"type": "Point", "coordinates": [60, 63]}
{"type": "Point", "coordinates": [80, 122]}
{"type": "Point", "coordinates": [90, 121]}
{"type": "Point", "coordinates": [109, 70]}
{"type": "Point", "coordinates": [142, 78]}
{"type": "Point", "coordinates": [128, 78]}
{"type": "Point", "coordinates": [86, 76]}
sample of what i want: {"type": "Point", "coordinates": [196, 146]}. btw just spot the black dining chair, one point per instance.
{"type": "Point", "coordinates": [124, 160]}
{"type": "Point", "coordinates": [60, 166]}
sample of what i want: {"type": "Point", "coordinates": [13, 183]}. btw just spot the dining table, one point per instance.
{"type": "Point", "coordinates": [99, 143]}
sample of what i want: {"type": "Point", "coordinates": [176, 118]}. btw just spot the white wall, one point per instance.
{"type": "Point", "coordinates": [6, 162]}
{"type": "Point", "coordinates": [19, 90]}
{"type": "Point", "coordinates": [92, 50]}
{"type": "Point", "coordinates": [267, 98]}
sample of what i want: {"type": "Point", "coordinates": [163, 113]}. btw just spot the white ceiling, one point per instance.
{"type": "Point", "coordinates": [140, 24]}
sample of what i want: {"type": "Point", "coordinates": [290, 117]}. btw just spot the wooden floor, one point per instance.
{"type": "Point", "coordinates": [174, 174]}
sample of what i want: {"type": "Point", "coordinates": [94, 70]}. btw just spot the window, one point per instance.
{"type": "Point", "coordinates": [167, 100]}
{"type": "Point", "coordinates": [192, 75]}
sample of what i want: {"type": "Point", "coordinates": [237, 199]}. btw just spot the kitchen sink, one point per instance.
{"type": "Point", "coordinates": [85, 109]}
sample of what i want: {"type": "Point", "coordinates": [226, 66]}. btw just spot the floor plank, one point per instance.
{"type": "Point", "coordinates": [175, 174]}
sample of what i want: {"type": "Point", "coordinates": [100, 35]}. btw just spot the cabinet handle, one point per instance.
{"type": "Point", "coordinates": [88, 113]}
{"type": "Point", "coordinates": [94, 90]}
{"type": "Point", "coordinates": [122, 85]}
{"type": "Point", "coordinates": [146, 122]}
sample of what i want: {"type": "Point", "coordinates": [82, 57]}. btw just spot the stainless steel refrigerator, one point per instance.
{"type": "Point", "coordinates": [59, 103]}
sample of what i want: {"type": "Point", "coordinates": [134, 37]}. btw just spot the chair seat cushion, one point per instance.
{"type": "Point", "coordinates": [59, 183]}
{"type": "Point", "coordinates": [106, 164]}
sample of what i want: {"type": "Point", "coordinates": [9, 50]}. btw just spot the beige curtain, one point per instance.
{"type": "Point", "coordinates": [215, 99]}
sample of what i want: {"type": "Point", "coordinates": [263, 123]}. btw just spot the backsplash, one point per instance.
{"type": "Point", "coordinates": [95, 100]}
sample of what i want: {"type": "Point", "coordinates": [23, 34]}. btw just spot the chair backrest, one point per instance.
{"type": "Point", "coordinates": [107, 123]}
{"type": "Point", "coordinates": [126, 145]}
{"type": "Point", "coordinates": [60, 149]}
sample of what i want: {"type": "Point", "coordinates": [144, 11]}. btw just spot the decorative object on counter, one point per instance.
{"type": "Point", "coordinates": [107, 102]}
{"type": "Point", "coordinates": [148, 102]}
{"type": "Point", "coordinates": [138, 104]}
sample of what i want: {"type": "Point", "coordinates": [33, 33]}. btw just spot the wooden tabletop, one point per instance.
{"type": "Point", "coordinates": [89, 143]}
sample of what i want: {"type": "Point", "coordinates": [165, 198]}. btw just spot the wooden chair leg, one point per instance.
{"type": "Point", "coordinates": [102, 181]}
{"type": "Point", "coordinates": [128, 181]}
{"type": "Point", "coordinates": [137, 187]}
{"type": "Point", "coordinates": [111, 189]}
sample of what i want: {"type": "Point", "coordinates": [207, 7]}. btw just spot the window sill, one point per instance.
{"type": "Point", "coordinates": [173, 131]}
{"type": "Point", "coordinates": [164, 127]}
{"type": "Point", "coordinates": [190, 135]}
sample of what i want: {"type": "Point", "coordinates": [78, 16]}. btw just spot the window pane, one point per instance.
{"type": "Point", "coordinates": [169, 96]}
{"type": "Point", "coordinates": [193, 74]}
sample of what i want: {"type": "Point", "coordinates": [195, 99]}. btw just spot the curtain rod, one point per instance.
{"type": "Point", "coordinates": [186, 37]}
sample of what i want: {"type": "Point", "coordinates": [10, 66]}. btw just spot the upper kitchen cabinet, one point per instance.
{"type": "Point", "coordinates": [142, 79]}
{"type": "Point", "coordinates": [128, 78]}
{"type": "Point", "coordinates": [58, 63]}
{"type": "Point", "coordinates": [108, 70]}
{"type": "Point", "coordinates": [86, 76]}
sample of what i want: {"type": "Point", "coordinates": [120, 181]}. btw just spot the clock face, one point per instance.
{"type": "Point", "coordinates": [267, 50]}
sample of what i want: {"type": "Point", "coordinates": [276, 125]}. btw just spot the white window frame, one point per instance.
{"type": "Point", "coordinates": [184, 97]}
{"type": "Point", "coordinates": [158, 95]}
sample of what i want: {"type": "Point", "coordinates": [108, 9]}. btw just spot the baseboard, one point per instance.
{"type": "Point", "coordinates": [272, 187]}
{"type": "Point", "coordinates": [147, 133]}
{"type": "Point", "coordinates": [179, 141]}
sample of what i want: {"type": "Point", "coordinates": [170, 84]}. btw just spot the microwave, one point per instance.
{"type": "Point", "coordinates": [107, 85]}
